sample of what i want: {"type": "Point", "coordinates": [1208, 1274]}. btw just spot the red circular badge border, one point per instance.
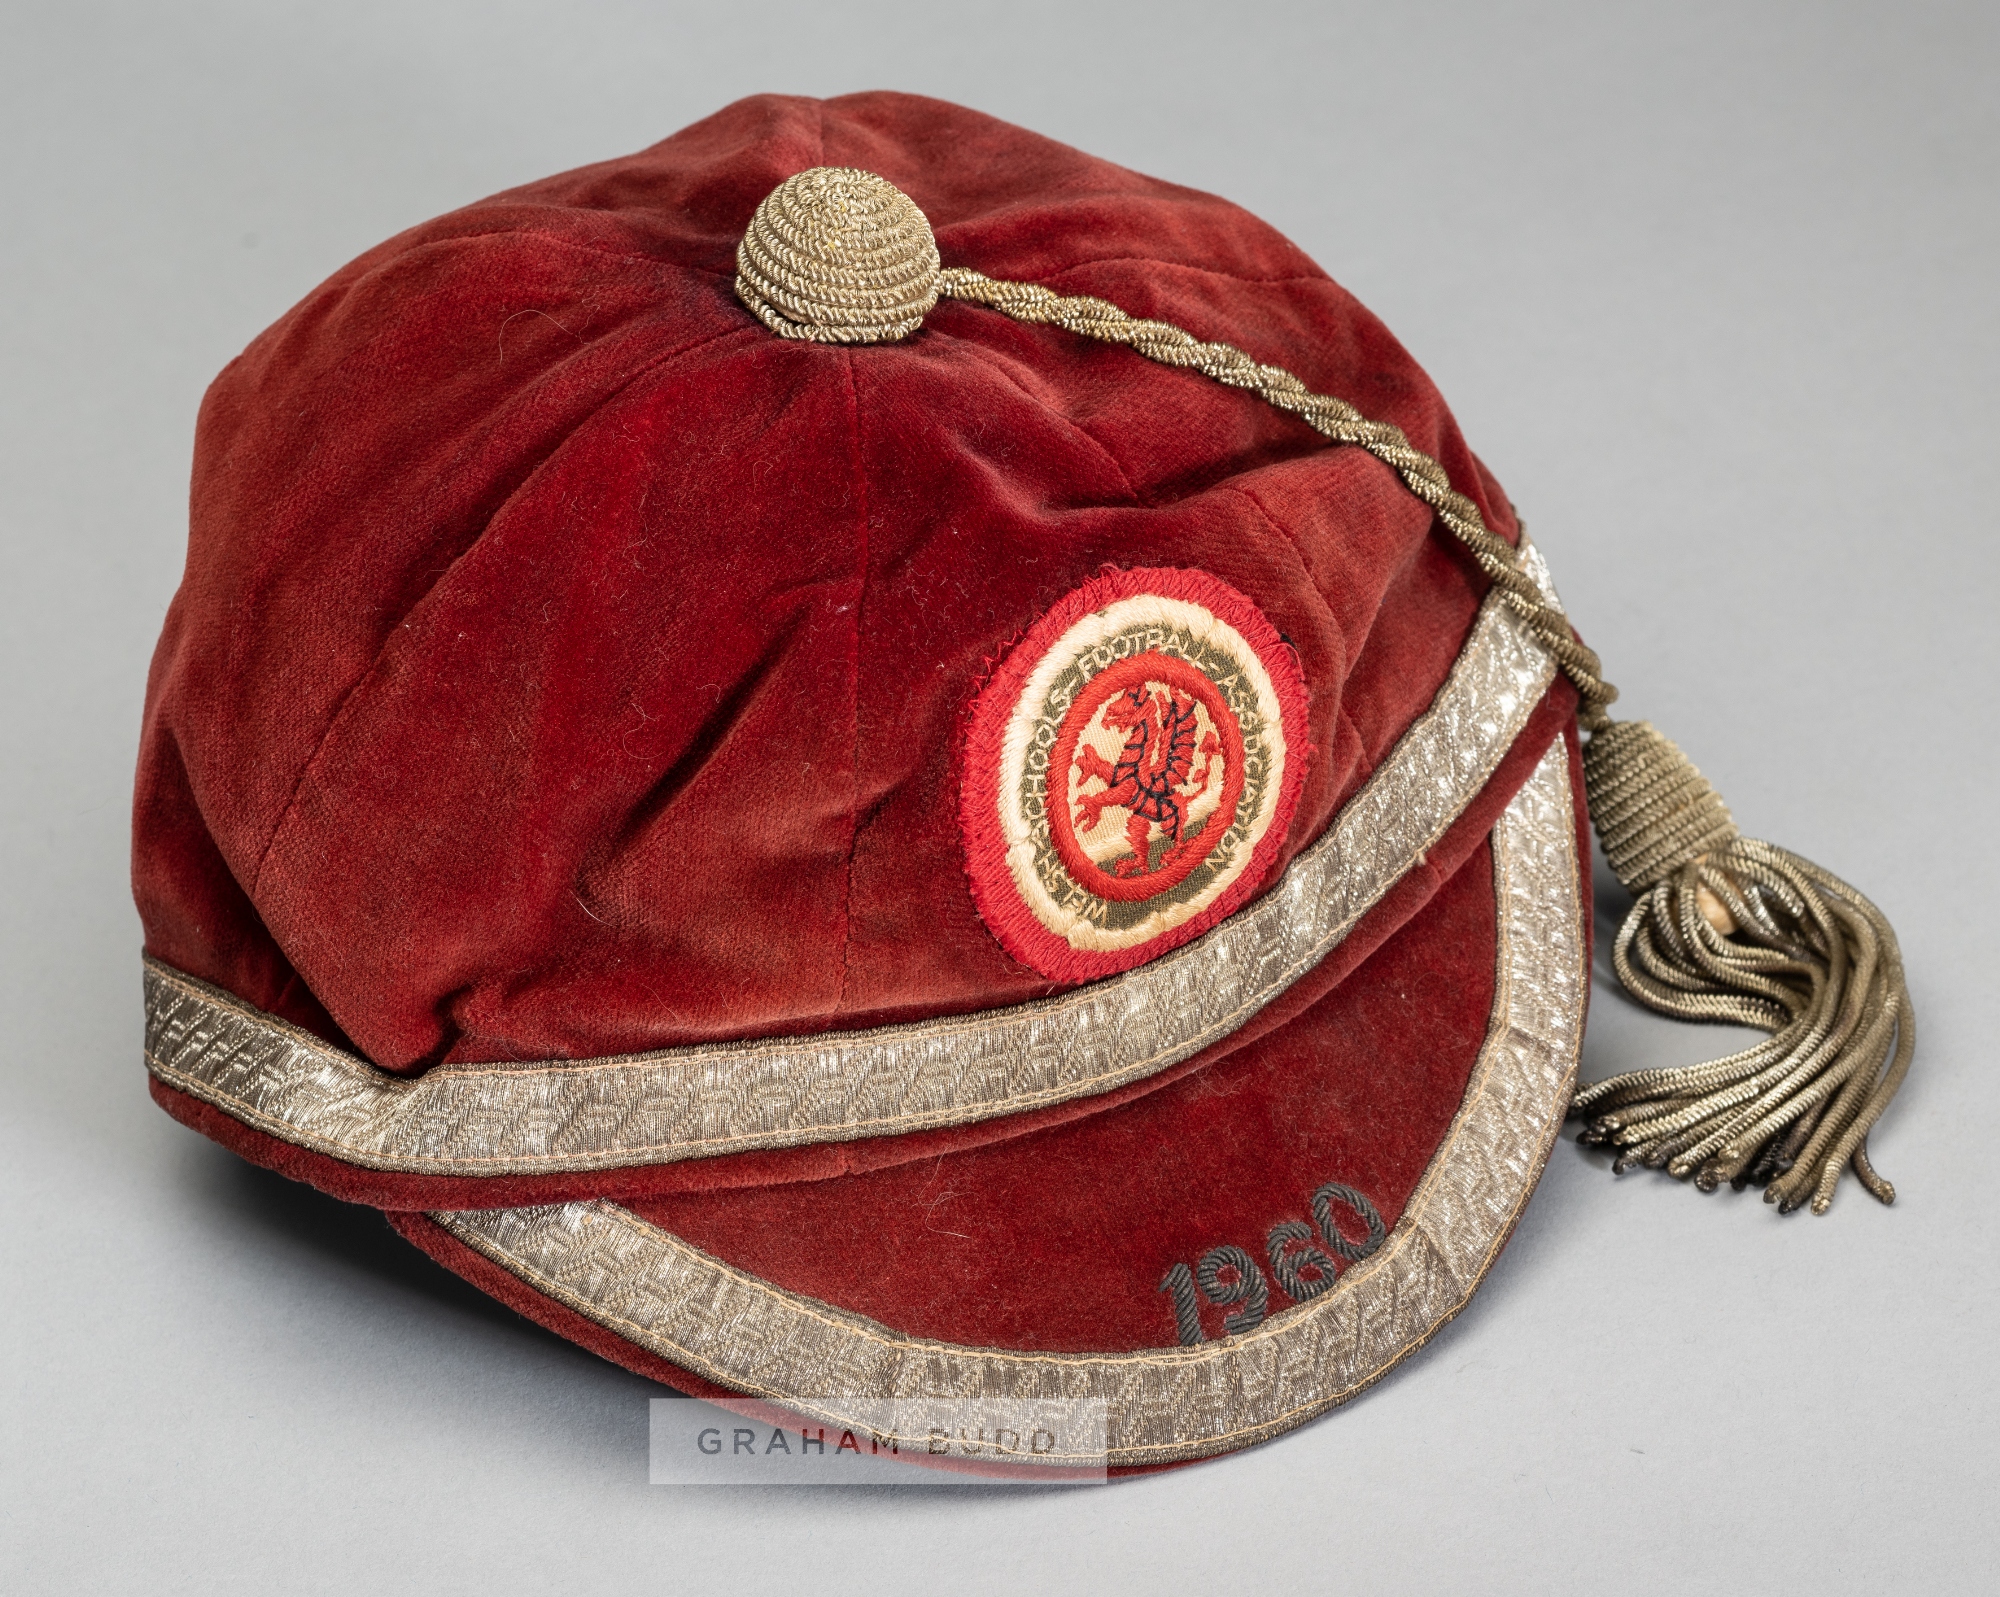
{"type": "Point", "coordinates": [1062, 829]}
{"type": "Point", "coordinates": [994, 893]}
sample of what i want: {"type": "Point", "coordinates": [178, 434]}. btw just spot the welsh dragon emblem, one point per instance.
{"type": "Point", "coordinates": [1166, 762]}
{"type": "Point", "coordinates": [1131, 767]}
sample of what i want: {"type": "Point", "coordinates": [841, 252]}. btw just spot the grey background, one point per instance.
{"type": "Point", "coordinates": [1710, 286]}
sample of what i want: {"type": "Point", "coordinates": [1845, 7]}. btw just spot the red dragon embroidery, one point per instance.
{"type": "Point", "coordinates": [1156, 772]}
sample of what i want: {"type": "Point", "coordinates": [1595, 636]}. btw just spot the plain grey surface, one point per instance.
{"type": "Point", "coordinates": [1710, 286]}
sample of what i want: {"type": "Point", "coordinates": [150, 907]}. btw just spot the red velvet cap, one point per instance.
{"type": "Point", "coordinates": [568, 669]}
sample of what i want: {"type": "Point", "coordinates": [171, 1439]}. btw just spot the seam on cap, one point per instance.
{"type": "Point", "coordinates": [1189, 266]}
{"type": "Point", "coordinates": [859, 511]}
{"type": "Point", "coordinates": [998, 364]}
{"type": "Point", "coordinates": [659, 364]}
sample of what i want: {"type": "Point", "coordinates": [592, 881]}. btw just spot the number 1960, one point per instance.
{"type": "Point", "coordinates": [1227, 1276]}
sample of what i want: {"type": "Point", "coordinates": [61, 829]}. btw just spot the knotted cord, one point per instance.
{"type": "Point", "coordinates": [1723, 928]}
{"type": "Point", "coordinates": [1331, 418]}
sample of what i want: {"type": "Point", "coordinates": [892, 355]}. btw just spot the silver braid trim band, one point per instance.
{"type": "Point", "coordinates": [703, 1101]}
{"type": "Point", "coordinates": [1165, 1404]}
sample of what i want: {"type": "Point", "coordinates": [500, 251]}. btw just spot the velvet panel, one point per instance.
{"type": "Point", "coordinates": [565, 666]}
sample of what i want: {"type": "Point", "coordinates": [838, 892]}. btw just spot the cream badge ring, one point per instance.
{"type": "Point", "coordinates": [1131, 770]}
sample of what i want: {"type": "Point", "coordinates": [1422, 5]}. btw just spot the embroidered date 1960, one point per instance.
{"type": "Point", "coordinates": [1231, 1279]}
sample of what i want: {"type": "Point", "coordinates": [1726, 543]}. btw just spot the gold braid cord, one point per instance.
{"type": "Point", "coordinates": [1724, 928]}
{"type": "Point", "coordinates": [1332, 418]}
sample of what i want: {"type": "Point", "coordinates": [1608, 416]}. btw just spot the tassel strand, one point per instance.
{"type": "Point", "coordinates": [1724, 929]}
{"type": "Point", "coordinates": [1727, 929]}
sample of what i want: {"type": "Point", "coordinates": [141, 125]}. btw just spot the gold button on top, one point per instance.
{"type": "Point", "coordinates": [838, 256]}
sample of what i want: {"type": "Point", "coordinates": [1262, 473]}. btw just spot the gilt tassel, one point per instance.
{"type": "Point", "coordinates": [1728, 929]}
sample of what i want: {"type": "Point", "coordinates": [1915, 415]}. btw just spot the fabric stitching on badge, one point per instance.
{"type": "Point", "coordinates": [1131, 770]}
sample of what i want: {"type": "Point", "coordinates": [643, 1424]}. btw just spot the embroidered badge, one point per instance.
{"type": "Point", "coordinates": [1131, 769]}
